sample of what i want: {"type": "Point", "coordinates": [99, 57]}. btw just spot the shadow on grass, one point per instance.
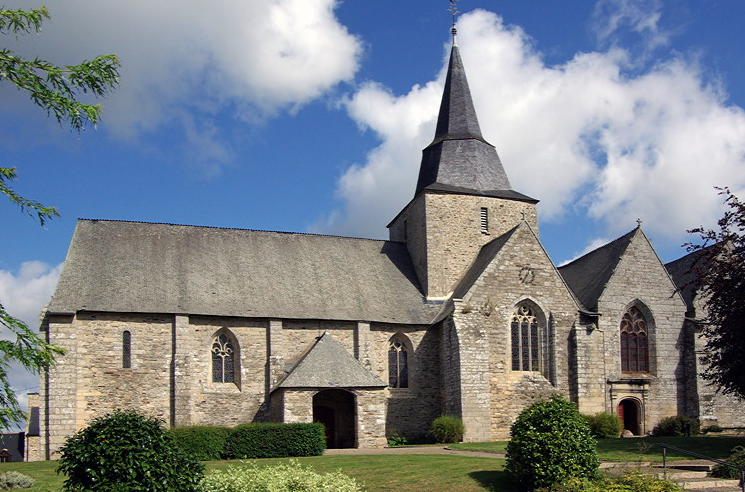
{"type": "Point", "coordinates": [497, 481]}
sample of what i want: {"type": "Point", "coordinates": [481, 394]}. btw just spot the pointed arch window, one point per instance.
{"type": "Point", "coordinates": [398, 363]}
{"type": "Point", "coordinates": [525, 331]}
{"type": "Point", "coordinates": [634, 342]}
{"type": "Point", "coordinates": [223, 359]}
{"type": "Point", "coordinates": [126, 350]}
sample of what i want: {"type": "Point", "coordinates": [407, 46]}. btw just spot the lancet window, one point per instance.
{"type": "Point", "coordinates": [634, 342]}
{"type": "Point", "coordinates": [398, 364]}
{"type": "Point", "coordinates": [126, 350]}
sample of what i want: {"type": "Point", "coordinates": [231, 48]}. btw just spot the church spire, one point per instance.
{"type": "Point", "coordinates": [459, 159]}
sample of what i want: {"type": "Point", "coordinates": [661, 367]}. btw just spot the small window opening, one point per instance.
{"type": "Point", "coordinates": [126, 350]}
{"type": "Point", "coordinates": [484, 219]}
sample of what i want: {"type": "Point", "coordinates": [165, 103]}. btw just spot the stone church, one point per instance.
{"type": "Point", "coordinates": [461, 312]}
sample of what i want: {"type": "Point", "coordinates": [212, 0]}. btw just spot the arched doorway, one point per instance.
{"type": "Point", "coordinates": [337, 410]}
{"type": "Point", "coordinates": [628, 411]}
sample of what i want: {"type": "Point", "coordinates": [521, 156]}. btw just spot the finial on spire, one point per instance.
{"type": "Point", "coordinates": [639, 223]}
{"type": "Point", "coordinates": [453, 9]}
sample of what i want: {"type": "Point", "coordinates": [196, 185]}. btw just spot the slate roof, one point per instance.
{"type": "Point", "coordinates": [459, 156]}
{"type": "Point", "coordinates": [588, 275]}
{"type": "Point", "coordinates": [164, 268]}
{"type": "Point", "coordinates": [684, 277]}
{"type": "Point", "coordinates": [328, 365]}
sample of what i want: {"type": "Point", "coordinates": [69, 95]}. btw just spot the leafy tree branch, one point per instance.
{"type": "Point", "coordinates": [720, 271]}
{"type": "Point", "coordinates": [57, 90]}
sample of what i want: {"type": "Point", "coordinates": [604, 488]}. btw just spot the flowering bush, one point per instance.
{"type": "Point", "coordinates": [284, 477]}
{"type": "Point", "coordinates": [13, 480]}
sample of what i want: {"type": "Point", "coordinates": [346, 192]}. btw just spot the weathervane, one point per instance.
{"type": "Point", "coordinates": [453, 9]}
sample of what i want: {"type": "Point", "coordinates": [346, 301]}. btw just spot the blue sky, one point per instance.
{"type": "Point", "coordinates": [310, 116]}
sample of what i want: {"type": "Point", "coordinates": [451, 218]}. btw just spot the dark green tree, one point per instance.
{"type": "Point", "coordinates": [55, 89]}
{"type": "Point", "coordinates": [720, 275]}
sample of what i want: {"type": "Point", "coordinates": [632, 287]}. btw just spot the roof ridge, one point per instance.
{"type": "Point", "coordinates": [237, 229]}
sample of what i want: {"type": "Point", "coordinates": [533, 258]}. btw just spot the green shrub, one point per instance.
{"type": "Point", "coordinates": [275, 441]}
{"type": "Point", "coordinates": [680, 425]}
{"type": "Point", "coordinates": [711, 428]}
{"type": "Point", "coordinates": [126, 452]}
{"type": "Point", "coordinates": [13, 480]}
{"type": "Point", "coordinates": [604, 424]}
{"type": "Point", "coordinates": [736, 458]}
{"type": "Point", "coordinates": [633, 481]}
{"type": "Point", "coordinates": [446, 429]}
{"type": "Point", "coordinates": [550, 442]}
{"type": "Point", "coordinates": [284, 477]}
{"type": "Point", "coordinates": [201, 442]}
{"type": "Point", "coordinates": [396, 439]}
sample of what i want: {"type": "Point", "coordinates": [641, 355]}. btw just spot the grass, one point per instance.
{"type": "Point", "coordinates": [379, 473]}
{"type": "Point", "coordinates": [638, 448]}
{"type": "Point", "coordinates": [437, 473]}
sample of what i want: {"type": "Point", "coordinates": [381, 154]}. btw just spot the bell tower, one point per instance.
{"type": "Point", "coordinates": [463, 198]}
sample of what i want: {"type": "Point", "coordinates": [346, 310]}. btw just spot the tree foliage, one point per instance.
{"type": "Point", "coordinates": [720, 273]}
{"type": "Point", "coordinates": [57, 90]}
{"type": "Point", "coordinates": [53, 88]}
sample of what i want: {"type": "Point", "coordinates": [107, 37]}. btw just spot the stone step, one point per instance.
{"type": "Point", "coordinates": [693, 476]}
{"type": "Point", "coordinates": [709, 484]}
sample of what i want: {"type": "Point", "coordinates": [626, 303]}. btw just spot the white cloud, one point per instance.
{"type": "Point", "coordinates": [245, 60]}
{"type": "Point", "coordinates": [23, 295]}
{"type": "Point", "coordinates": [639, 16]}
{"type": "Point", "coordinates": [586, 137]}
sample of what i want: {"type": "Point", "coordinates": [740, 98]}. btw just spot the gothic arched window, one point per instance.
{"type": "Point", "coordinates": [526, 354]}
{"type": "Point", "coordinates": [126, 350]}
{"type": "Point", "coordinates": [398, 365]}
{"type": "Point", "coordinates": [223, 359]}
{"type": "Point", "coordinates": [634, 342]}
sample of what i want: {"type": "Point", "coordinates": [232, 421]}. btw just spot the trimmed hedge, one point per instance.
{"type": "Point", "coordinates": [604, 424]}
{"type": "Point", "coordinates": [680, 425]}
{"type": "Point", "coordinates": [275, 441]}
{"type": "Point", "coordinates": [447, 429]}
{"type": "Point", "coordinates": [201, 442]}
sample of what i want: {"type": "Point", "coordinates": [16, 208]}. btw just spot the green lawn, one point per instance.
{"type": "Point", "coordinates": [638, 448]}
{"type": "Point", "coordinates": [437, 473]}
{"type": "Point", "coordinates": [379, 473]}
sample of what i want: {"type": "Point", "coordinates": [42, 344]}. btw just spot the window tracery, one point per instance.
{"type": "Point", "coordinates": [525, 333]}
{"type": "Point", "coordinates": [634, 342]}
{"type": "Point", "coordinates": [223, 359]}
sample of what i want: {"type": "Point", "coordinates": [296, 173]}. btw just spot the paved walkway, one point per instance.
{"type": "Point", "coordinates": [411, 450]}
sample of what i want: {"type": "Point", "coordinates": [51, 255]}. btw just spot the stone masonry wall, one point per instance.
{"type": "Point", "coordinates": [454, 236]}
{"type": "Point", "coordinates": [411, 227]}
{"type": "Point", "coordinates": [640, 279]}
{"type": "Point", "coordinates": [706, 402]}
{"type": "Point", "coordinates": [410, 411]}
{"type": "Point", "coordinates": [227, 404]}
{"type": "Point", "coordinates": [443, 233]}
{"type": "Point", "coordinates": [170, 375]}
{"type": "Point", "coordinates": [521, 271]}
